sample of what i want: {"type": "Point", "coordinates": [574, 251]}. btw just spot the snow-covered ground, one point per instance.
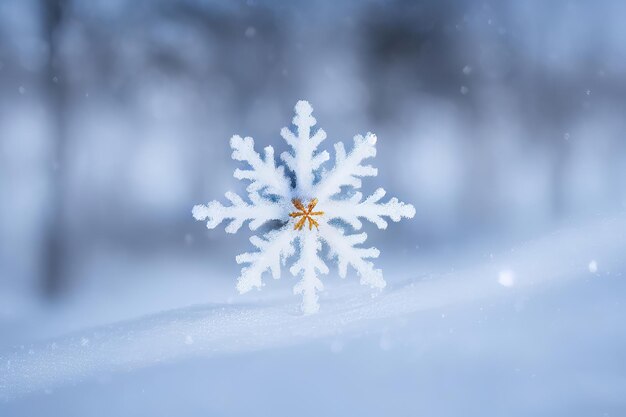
{"type": "Point", "coordinates": [535, 330]}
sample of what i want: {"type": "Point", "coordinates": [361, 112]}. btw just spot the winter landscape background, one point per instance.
{"type": "Point", "coordinates": [502, 122]}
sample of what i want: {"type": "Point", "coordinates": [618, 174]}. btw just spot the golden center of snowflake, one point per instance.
{"type": "Point", "coordinates": [306, 213]}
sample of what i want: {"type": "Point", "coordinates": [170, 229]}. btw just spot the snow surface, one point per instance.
{"type": "Point", "coordinates": [550, 341]}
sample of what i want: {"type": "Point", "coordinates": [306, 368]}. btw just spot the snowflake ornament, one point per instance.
{"type": "Point", "coordinates": [308, 202]}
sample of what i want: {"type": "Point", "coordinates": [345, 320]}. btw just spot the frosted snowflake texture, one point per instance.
{"type": "Point", "coordinates": [315, 206]}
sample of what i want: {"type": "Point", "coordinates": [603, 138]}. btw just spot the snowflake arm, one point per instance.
{"type": "Point", "coordinates": [308, 263]}
{"type": "Point", "coordinates": [352, 209]}
{"type": "Point", "coordinates": [259, 212]}
{"type": "Point", "coordinates": [276, 247]}
{"type": "Point", "coordinates": [304, 161]}
{"type": "Point", "coordinates": [348, 169]}
{"type": "Point", "coordinates": [264, 175]}
{"type": "Point", "coordinates": [342, 247]}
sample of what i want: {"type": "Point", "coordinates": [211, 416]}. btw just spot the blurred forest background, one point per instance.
{"type": "Point", "coordinates": [496, 119]}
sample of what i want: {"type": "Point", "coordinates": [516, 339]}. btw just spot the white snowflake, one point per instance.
{"type": "Point", "coordinates": [311, 213]}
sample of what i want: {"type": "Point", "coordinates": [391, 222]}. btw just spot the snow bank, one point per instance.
{"type": "Point", "coordinates": [226, 329]}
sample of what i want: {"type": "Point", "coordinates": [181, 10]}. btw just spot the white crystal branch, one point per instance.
{"type": "Point", "coordinates": [274, 249]}
{"type": "Point", "coordinates": [304, 160]}
{"type": "Point", "coordinates": [350, 210]}
{"type": "Point", "coordinates": [308, 263]}
{"type": "Point", "coordinates": [259, 212]}
{"type": "Point", "coordinates": [343, 248]}
{"type": "Point", "coordinates": [264, 175]}
{"type": "Point", "coordinates": [348, 169]}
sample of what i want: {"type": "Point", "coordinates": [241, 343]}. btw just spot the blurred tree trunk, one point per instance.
{"type": "Point", "coordinates": [54, 250]}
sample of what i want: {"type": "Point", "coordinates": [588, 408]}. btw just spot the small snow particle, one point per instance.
{"type": "Point", "coordinates": [506, 278]}
{"type": "Point", "coordinates": [566, 136]}
{"type": "Point", "coordinates": [588, 92]}
{"type": "Point", "coordinates": [84, 341]}
{"type": "Point", "coordinates": [467, 70]}
{"type": "Point", "coordinates": [593, 266]}
{"type": "Point", "coordinates": [189, 340]}
{"type": "Point", "coordinates": [464, 90]}
{"type": "Point", "coordinates": [250, 32]}
{"type": "Point", "coordinates": [22, 90]}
